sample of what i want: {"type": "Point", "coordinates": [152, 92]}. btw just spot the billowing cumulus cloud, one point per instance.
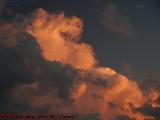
{"type": "Point", "coordinates": [46, 69]}
{"type": "Point", "coordinates": [113, 99]}
{"type": "Point", "coordinates": [58, 37]}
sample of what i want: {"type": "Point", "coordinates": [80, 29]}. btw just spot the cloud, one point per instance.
{"type": "Point", "coordinates": [150, 81]}
{"type": "Point", "coordinates": [35, 82]}
{"type": "Point", "coordinates": [11, 39]}
{"type": "Point", "coordinates": [123, 117]}
{"type": "Point", "coordinates": [111, 102]}
{"type": "Point", "coordinates": [26, 74]}
{"type": "Point", "coordinates": [58, 37]}
{"type": "Point", "coordinates": [150, 111]}
{"type": "Point", "coordinates": [112, 19]}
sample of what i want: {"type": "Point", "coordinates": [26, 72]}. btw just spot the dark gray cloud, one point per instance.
{"type": "Point", "coordinates": [147, 109]}
{"type": "Point", "coordinates": [89, 116]}
{"type": "Point", "coordinates": [13, 68]}
{"type": "Point", "coordinates": [23, 65]}
{"type": "Point", "coordinates": [124, 117]}
{"type": "Point", "coordinates": [158, 100]}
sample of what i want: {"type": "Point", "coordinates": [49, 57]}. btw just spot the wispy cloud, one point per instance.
{"type": "Point", "coordinates": [112, 19]}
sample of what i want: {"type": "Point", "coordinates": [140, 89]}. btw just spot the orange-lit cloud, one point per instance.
{"type": "Point", "coordinates": [97, 89]}
{"type": "Point", "coordinates": [152, 97]}
{"type": "Point", "coordinates": [79, 91]}
{"type": "Point", "coordinates": [58, 37]}
{"type": "Point", "coordinates": [36, 82]}
{"type": "Point", "coordinates": [118, 97]}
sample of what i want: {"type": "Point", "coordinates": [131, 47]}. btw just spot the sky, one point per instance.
{"type": "Point", "coordinates": [63, 52]}
{"type": "Point", "coordinates": [113, 47]}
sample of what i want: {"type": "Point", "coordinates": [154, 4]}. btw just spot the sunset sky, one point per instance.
{"type": "Point", "coordinates": [112, 47]}
{"type": "Point", "coordinates": [98, 59]}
